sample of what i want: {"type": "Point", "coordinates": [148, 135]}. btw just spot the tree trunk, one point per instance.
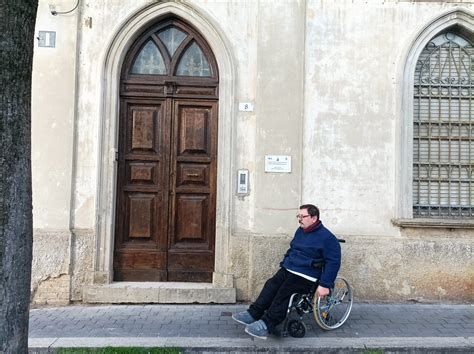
{"type": "Point", "coordinates": [17, 25]}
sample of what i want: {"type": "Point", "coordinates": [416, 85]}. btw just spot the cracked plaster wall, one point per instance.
{"type": "Point", "coordinates": [379, 268]}
{"type": "Point", "coordinates": [50, 267]}
{"type": "Point", "coordinates": [62, 264]}
{"type": "Point", "coordinates": [81, 258]}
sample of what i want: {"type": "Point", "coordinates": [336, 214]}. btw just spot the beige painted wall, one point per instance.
{"type": "Point", "coordinates": [325, 79]}
{"type": "Point", "coordinates": [53, 115]}
{"type": "Point", "coordinates": [355, 53]}
{"type": "Point", "coordinates": [53, 127]}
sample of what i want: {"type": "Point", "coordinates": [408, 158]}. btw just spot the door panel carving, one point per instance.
{"type": "Point", "coordinates": [192, 174]}
{"type": "Point", "coordinates": [144, 173]}
{"type": "Point", "coordinates": [141, 216]}
{"type": "Point", "coordinates": [143, 128]}
{"type": "Point", "coordinates": [193, 130]}
{"type": "Point", "coordinates": [192, 210]}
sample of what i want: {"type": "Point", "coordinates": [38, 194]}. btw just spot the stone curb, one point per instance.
{"type": "Point", "coordinates": [272, 344]}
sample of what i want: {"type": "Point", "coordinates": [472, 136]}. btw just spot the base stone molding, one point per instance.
{"type": "Point", "coordinates": [160, 293]}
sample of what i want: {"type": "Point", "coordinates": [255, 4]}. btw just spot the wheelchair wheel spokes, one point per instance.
{"type": "Point", "coordinates": [332, 311]}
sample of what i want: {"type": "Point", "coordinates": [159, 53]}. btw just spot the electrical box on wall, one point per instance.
{"type": "Point", "coordinates": [47, 39]}
{"type": "Point", "coordinates": [242, 182]}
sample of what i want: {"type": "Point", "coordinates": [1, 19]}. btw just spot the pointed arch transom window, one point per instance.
{"type": "Point", "coordinates": [172, 51]}
{"type": "Point", "coordinates": [193, 63]}
{"type": "Point", "coordinates": [149, 61]}
{"type": "Point", "coordinates": [172, 38]}
{"type": "Point", "coordinates": [443, 129]}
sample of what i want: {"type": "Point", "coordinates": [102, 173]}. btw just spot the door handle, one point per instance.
{"type": "Point", "coordinates": [193, 175]}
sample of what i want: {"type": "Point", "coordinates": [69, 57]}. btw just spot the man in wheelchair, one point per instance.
{"type": "Point", "coordinates": [312, 244]}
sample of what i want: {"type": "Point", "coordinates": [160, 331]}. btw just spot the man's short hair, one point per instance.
{"type": "Point", "coordinates": [312, 209]}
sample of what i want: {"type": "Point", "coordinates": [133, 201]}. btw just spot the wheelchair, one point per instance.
{"type": "Point", "coordinates": [329, 313]}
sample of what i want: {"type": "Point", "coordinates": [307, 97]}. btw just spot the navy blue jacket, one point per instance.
{"type": "Point", "coordinates": [317, 245]}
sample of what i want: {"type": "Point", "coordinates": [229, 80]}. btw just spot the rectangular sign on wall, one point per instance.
{"type": "Point", "coordinates": [246, 107]}
{"type": "Point", "coordinates": [47, 39]}
{"type": "Point", "coordinates": [278, 163]}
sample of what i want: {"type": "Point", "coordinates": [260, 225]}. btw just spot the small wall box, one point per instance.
{"type": "Point", "coordinates": [242, 182]}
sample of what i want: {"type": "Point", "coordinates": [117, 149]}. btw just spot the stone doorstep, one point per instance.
{"type": "Point", "coordinates": [159, 293]}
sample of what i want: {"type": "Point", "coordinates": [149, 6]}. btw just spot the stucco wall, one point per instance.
{"type": "Point", "coordinates": [355, 53]}
{"type": "Point", "coordinates": [325, 78]}
{"type": "Point", "coordinates": [53, 115]}
{"type": "Point", "coordinates": [53, 120]}
{"type": "Point", "coordinates": [426, 267]}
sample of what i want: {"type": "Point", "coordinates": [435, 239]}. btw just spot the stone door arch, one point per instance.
{"type": "Point", "coordinates": [108, 135]}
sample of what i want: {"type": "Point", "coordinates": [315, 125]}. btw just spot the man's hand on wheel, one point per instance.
{"type": "Point", "coordinates": [322, 292]}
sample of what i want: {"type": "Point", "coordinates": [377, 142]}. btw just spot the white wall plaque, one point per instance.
{"type": "Point", "coordinates": [278, 163]}
{"type": "Point", "coordinates": [246, 107]}
{"type": "Point", "coordinates": [47, 39]}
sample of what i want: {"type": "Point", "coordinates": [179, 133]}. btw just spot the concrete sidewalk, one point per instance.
{"type": "Point", "coordinates": [210, 328]}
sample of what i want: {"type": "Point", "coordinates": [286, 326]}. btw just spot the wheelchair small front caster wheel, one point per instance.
{"type": "Point", "coordinates": [296, 329]}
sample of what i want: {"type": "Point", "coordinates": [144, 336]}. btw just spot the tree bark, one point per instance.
{"type": "Point", "coordinates": [17, 25]}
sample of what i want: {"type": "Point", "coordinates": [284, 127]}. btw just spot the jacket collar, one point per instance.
{"type": "Point", "coordinates": [312, 227]}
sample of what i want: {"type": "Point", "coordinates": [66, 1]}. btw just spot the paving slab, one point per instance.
{"type": "Point", "coordinates": [210, 328]}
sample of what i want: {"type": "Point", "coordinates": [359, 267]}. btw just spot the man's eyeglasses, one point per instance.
{"type": "Point", "coordinates": [301, 216]}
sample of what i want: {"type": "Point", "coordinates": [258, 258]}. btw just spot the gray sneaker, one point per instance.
{"type": "Point", "coordinates": [257, 329]}
{"type": "Point", "coordinates": [243, 317]}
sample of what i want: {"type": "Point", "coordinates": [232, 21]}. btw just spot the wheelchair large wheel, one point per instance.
{"type": "Point", "coordinates": [332, 311]}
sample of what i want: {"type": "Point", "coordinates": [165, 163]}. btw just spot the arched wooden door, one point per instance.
{"type": "Point", "coordinates": [166, 190]}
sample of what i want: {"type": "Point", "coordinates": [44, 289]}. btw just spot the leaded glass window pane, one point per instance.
{"type": "Point", "coordinates": [149, 61]}
{"type": "Point", "coordinates": [443, 131]}
{"type": "Point", "coordinates": [193, 63]}
{"type": "Point", "coordinates": [172, 38]}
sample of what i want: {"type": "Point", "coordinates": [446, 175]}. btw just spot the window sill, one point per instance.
{"type": "Point", "coordinates": [434, 223]}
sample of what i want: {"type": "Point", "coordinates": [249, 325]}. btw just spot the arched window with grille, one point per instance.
{"type": "Point", "coordinates": [443, 131]}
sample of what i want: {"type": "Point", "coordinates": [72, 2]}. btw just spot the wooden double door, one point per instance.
{"type": "Point", "coordinates": [166, 186]}
{"type": "Point", "coordinates": [165, 221]}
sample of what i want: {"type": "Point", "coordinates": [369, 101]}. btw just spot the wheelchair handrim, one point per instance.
{"type": "Point", "coordinates": [318, 316]}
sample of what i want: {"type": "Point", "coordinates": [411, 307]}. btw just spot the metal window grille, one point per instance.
{"type": "Point", "coordinates": [443, 131]}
